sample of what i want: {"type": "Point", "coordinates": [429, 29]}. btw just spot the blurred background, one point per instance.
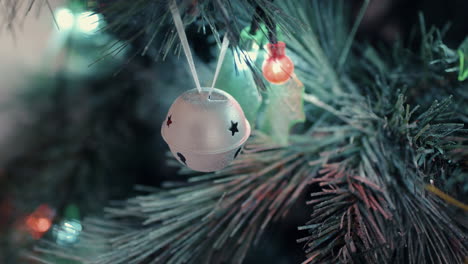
{"type": "Point", "coordinates": [22, 52]}
{"type": "Point", "coordinates": [71, 142]}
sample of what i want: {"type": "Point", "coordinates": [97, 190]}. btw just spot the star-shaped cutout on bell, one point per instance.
{"type": "Point", "coordinates": [169, 121]}
{"type": "Point", "coordinates": [233, 128]}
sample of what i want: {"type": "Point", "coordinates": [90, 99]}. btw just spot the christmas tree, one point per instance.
{"type": "Point", "coordinates": [304, 130]}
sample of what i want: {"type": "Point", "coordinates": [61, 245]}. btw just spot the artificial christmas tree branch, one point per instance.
{"type": "Point", "coordinates": [389, 211]}
{"type": "Point", "coordinates": [352, 34]}
{"type": "Point", "coordinates": [315, 101]}
{"type": "Point", "coordinates": [233, 209]}
{"type": "Point", "coordinates": [215, 14]}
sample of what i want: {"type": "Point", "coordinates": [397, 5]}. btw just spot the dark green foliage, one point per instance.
{"type": "Point", "coordinates": [373, 207]}
{"type": "Point", "coordinates": [79, 144]}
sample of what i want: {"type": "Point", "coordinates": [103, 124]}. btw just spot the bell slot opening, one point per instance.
{"type": "Point", "coordinates": [217, 97]}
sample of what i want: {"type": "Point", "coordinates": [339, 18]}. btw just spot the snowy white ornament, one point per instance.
{"type": "Point", "coordinates": [205, 131]}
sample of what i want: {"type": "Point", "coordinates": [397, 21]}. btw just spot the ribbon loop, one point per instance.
{"type": "Point", "coordinates": [183, 39]}
{"type": "Point", "coordinates": [185, 45]}
{"type": "Point", "coordinates": [222, 54]}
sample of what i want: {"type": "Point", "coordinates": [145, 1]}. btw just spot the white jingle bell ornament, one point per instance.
{"type": "Point", "coordinates": [205, 131]}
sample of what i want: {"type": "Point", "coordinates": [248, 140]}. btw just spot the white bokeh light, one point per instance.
{"type": "Point", "coordinates": [67, 232]}
{"type": "Point", "coordinates": [65, 18]}
{"type": "Point", "coordinates": [241, 57]}
{"type": "Point", "coordinates": [88, 22]}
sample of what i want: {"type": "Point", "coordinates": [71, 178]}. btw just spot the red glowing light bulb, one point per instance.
{"type": "Point", "coordinates": [39, 225]}
{"type": "Point", "coordinates": [40, 221]}
{"type": "Point", "coordinates": [277, 67]}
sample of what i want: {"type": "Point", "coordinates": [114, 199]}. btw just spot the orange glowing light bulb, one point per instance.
{"type": "Point", "coordinates": [277, 67]}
